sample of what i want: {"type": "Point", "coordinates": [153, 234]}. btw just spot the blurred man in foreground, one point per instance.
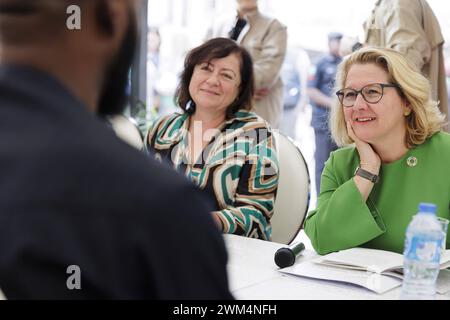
{"type": "Point", "coordinates": [83, 215]}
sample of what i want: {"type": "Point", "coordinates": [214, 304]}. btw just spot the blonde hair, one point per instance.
{"type": "Point", "coordinates": [425, 118]}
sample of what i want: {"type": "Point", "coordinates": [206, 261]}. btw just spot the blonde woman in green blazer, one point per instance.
{"type": "Point", "coordinates": [396, 155]}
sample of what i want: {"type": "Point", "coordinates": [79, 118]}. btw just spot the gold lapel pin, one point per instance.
{"type": "Point", "coordinates": [411, 161]}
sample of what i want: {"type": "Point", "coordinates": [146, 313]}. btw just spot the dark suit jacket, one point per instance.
{"type": "Point", "coordinates": [72, 193]}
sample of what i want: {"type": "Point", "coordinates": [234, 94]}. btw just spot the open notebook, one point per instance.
{"type": "Point", "coordinates": [377, 270]}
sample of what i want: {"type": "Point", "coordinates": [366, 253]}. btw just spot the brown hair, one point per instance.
{"type": "Point", "coordinates": [215, 49]}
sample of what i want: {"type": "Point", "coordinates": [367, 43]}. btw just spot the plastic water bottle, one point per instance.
{"type": "Point", "coordinates": [422, 255]}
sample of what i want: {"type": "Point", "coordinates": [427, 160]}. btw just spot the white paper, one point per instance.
{"type": "Point", "coordinates": [373, 260]}
{"type": "Point", "coordinates": [367, 259]}
{"type": "Point", "coordinates": [372, 281]}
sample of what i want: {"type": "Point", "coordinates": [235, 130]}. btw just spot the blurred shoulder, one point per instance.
{"type": "Point", "coordinates": [439, 141]}
{"type": "Point", "coordinates": [274, 22]}
{"type": "Point", "coordinates": [441, 136]}
{"type": "Point", "coordinates": [401, 4]}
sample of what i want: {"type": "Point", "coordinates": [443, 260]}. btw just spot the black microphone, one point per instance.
{"type": "Point", "coordinates": [285, 257]}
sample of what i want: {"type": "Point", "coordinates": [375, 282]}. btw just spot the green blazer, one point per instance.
{"type": "Point", "coordinates": [343, 220]}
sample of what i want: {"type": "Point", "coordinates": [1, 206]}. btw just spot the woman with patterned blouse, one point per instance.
{"type": "Point", "coordinates": [217, 142]}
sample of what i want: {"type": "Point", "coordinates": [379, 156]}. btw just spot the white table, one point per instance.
{"type": "Point", "coordinates": [253, 275]}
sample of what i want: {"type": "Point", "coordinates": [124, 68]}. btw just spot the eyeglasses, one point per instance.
{"type": "Point", "coordinates": [372, 93]}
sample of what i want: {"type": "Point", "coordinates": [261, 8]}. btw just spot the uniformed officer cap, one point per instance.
{"type": "Point", "coordinates": [335, 36]}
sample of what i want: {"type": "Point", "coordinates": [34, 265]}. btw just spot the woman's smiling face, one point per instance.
{"type": "Point", "coordinates": [214, 85]}
{"type": "Point", "coordinates": [375, 122]}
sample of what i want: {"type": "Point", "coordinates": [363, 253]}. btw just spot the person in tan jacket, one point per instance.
{"type": "Point", "coordinates": [266, 40]}
{"type": "Point", "coordinates": [410, 27]}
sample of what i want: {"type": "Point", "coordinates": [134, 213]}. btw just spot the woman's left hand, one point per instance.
{"type": "Point", "coordinates": [369, 159]}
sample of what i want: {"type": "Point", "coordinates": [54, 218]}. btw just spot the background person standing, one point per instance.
{"type": "Point", "coordinates": [411, 27]}
{"type": "Point", "coordinates": [295, 78]}
{"type": "Point", "coordinates": [266, 40]}
{"type": "Point", "coordinates": [320, 93]}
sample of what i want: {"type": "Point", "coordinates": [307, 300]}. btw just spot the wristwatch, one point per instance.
{"type": "Point", "coordinates": [367, 175]}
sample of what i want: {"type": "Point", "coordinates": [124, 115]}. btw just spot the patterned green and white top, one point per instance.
{"type": "Point", "coordinates": [239, 167]}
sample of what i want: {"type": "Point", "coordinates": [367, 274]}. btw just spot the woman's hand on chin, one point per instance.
{"type": "Point", "coordinates": [369, 159]}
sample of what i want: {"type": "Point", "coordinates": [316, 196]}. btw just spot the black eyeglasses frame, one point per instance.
{"type": "Point", "coordinates": [340, 93]}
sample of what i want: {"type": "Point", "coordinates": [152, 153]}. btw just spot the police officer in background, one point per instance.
{"type": "Point", "coordinates": [320, 93]}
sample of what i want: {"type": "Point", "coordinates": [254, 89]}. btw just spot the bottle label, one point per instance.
{"type": "Point", "coordinates": [422, 249]}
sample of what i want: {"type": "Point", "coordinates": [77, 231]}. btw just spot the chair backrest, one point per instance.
{"type": "Point", "coordinates": [292, 201]}
{"type": "Point", "coordinates": [127, 130]}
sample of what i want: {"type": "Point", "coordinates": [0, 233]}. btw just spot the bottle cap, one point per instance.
{"type": "Point", "coordinates": [427, 208]}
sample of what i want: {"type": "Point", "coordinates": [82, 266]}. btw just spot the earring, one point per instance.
{"type": "Point", "coordinates": [190, 107]}
{"type": "Point", "coordinates": [407, 113]}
